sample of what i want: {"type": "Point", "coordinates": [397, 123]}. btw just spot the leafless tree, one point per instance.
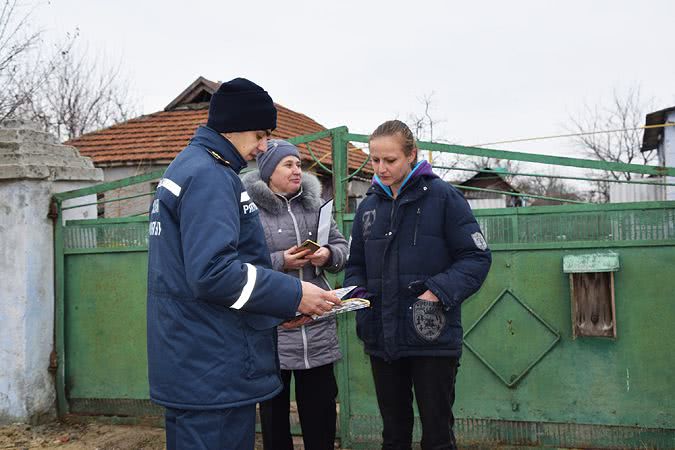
{"type": "Point", "coordinates": [623, 116]}
{"type": "Point", "coordinates": [423, 126]}
{"type": "Point", "coordinates": [547, 186]}
{"type": "Point", "coordinates": [18, 42]}
{"type": "Point", "coordinates": [59, 86]}
{"type": "Point", "coordinates": [80, 95]}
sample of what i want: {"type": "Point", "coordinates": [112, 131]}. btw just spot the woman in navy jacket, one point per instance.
{"type": "Point", "coordinates": [419, 253]}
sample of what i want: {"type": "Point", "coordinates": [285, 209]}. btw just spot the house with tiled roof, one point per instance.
{"type": "Point", "coordinates": [150, 142]}
{"type": "Point", "coordinates": [494, 182]}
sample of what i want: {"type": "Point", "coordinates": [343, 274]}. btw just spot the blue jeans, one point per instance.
{"type": "Point", "coordinates": [225, 429]}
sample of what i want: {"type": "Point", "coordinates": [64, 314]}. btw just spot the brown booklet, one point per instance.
{"type": "Point", "coordinates": [347, 304]}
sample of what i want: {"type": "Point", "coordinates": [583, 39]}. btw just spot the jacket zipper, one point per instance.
{"type": "Point", "coordinates": [392, 214]}
{"type": "Point", "coordinates": [305, 349]}
{"type": "Point", "coordinates": [417, 222]}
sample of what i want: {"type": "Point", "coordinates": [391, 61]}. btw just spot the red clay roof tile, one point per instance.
{"type": "Point", "coordinates": [161, 135]}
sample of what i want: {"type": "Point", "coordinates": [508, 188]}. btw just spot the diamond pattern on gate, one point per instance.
{"type": "Point", "coordinates": [510, 338]}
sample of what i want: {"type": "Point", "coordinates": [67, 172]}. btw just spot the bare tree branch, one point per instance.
{"type": "Point", "coordinates": [423, 127]}
{"type": "Point", "coordinates": [625, 111]}
{"type": "Point", "coordinates": [67, 92]}
{"type": "Point", "coordinates": [81, 95]}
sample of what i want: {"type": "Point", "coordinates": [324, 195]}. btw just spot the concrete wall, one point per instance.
{"type": "Point", "coordinates": [33, 166]}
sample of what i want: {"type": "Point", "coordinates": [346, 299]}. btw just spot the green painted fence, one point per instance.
{"type": "Point", "coordinates": [524, 381]}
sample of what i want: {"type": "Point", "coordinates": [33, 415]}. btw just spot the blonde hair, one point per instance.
{"type": "Point", "coordinates": [397, 128]}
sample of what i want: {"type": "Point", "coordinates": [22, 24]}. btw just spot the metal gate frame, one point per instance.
{"type": "Point", "coordinates": [486, 430]}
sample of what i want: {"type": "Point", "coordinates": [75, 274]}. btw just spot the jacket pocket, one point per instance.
{"type": "Point", "coordinates": [367, 328]}
{"type": "Point", "coordinates": [261, 359]}
{"type": "Point", "coordinates": [425, 323]}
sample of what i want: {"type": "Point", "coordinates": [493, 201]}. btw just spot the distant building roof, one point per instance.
{"type": "Point", "coordinates": [158, 137]}
{"type": "Point", "coordinates": [652, 136]}
{"type": "Point", "coordinates": [488, 179]}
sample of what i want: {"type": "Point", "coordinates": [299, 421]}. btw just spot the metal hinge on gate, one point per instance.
{"type": "Point", "coordinates": [53, 210]}
{"type": "Point", "coordinates": [53, 362]}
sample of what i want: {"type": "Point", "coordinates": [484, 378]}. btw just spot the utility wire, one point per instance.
{"type": "Point", "coordinates": [587, 133]}
{"type": "Point", "coordinates": [562, 177]}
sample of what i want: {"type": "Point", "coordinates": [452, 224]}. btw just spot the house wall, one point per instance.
{"type": "Point", "coordinates": [140, 205]}
{"type": "Point", "coordinates": [132, 206]}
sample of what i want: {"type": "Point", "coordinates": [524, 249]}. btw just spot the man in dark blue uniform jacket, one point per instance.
{"type": "Point", "coordinates": [213, 300]}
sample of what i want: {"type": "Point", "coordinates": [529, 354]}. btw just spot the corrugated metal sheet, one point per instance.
{"type": "Point", "coordinates": [622, 193]}
{"type": "Point", "coordinates": [480, 203]}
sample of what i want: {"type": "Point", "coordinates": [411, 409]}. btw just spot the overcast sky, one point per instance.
{"type": "Point", "coordinates": [498, 69]}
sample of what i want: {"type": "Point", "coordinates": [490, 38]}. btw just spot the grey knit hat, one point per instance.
{"type": "Point", "coordinates": [277, 150]}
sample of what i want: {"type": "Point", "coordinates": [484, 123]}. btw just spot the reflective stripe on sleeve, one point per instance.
{"type": "Point", "coordinates": [248, 287]}
{"type": "Point", "coordinates": [170, 185]}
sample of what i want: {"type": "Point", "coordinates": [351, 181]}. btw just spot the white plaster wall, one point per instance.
{"type": "Point", "coordinates": [27, 392]}
{"type": "Point", "coordinates": [26, 301]}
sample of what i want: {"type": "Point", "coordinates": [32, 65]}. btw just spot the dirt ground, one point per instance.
{"type": "Point", "coordinates": [91, 436]}
{"type": "Point", "coordinates": [88, 436]}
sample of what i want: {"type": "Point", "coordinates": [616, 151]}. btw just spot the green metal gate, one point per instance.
{"type": "Point", "coordinates": [525, 380]}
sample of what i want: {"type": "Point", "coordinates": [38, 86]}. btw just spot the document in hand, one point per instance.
{"type": "Point", "coordinates": [325, 217]}
{"type": "Point", "coordinates": [347, 304]}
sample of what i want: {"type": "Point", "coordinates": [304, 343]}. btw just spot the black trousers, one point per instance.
{"type": "Point", "coordinates": [433, 379]}
{"type": "Point", "coordinates": [315, 392]}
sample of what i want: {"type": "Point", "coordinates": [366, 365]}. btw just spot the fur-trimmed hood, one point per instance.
{"type": "Point", "coordinates": [265, 199]}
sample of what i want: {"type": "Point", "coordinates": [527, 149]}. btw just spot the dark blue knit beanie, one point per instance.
{"type": "Point", "coordinates": [241, 105]}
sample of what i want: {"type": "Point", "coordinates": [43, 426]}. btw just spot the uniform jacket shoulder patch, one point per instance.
{"type": "Point", "coordinates": [479, 240]}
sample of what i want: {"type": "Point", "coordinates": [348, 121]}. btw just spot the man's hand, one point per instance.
{"type": "Point", "coordinates": [293, 260]}
{"type": "Point", "coordinates": [320, 257]}
{"type": "Point", "coordinates": [315, 300]}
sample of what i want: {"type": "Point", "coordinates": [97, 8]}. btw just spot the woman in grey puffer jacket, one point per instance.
{"type": "Point", "coordinates": [289, 203]}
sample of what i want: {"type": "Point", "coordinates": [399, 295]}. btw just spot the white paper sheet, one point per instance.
{"type": "Point", "coordinates": [325, 216]}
